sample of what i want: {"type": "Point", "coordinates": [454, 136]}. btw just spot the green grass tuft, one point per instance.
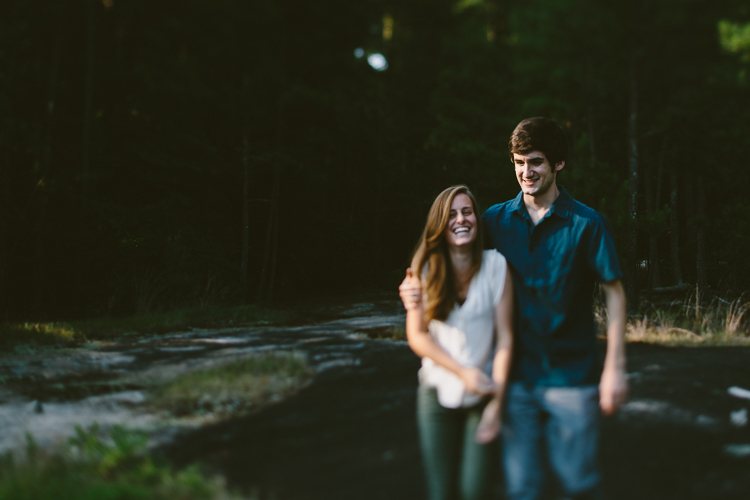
{"type": "Point", "coordinates": [385, 332]}
{"type": "Point", "coordinates": [42, 334]}
{"type": "Point", "coordinates": [234, 387]}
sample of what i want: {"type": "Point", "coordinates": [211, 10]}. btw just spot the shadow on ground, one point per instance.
{"type": "Point", "coordinates": [352, 433]}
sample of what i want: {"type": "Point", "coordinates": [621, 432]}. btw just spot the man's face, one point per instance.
{"type": "Point", "coordinates": [534, 173]}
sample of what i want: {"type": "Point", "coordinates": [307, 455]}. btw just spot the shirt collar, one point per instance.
{"type": "Point", "coordinates": [560, 207]}
{"type": "Point", "coordinates": [517, 205]}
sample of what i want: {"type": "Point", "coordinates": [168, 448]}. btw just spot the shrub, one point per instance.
{"type": "Point", "coordinates": [92, 468]}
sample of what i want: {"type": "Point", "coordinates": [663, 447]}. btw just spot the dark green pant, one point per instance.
{"type": "Point", "coordinates": [456, 466]}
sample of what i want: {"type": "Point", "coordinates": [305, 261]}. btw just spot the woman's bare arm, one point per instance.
{"type": "Point", "coordinates": [489, 426]}
{"type": "Point", "coordinates": [424, 346]}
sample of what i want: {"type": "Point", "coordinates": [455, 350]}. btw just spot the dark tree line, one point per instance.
{"type": "Point", "coordinates": [159, 154]}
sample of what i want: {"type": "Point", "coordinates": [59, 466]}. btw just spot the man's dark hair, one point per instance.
{"type": "Point", "coordinates": [540, 134]}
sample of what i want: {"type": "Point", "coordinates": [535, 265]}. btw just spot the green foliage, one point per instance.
{"type": "Point", "coordinates": [93, 467]}
{"type": "Point", "coordinates": [234, 387]}
{"type": "Point", "coordinates": [385, 332]}
{"type": "Point", "coordinates": [735, 38]}
{"type": "Point", "coordinates": [41, 334]}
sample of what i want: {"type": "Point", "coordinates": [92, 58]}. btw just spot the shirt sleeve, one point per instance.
{"type": "Point", "coordinates": [602, 258]}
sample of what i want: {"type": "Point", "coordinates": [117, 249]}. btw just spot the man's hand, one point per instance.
{"type": "Point", "coordinates": [410, 291]}
{"type": "Point", "coordinates": [613, 390]}
{"type": "Point", "coordinates": [489, 425]}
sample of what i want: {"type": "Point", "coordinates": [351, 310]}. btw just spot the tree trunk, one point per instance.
{"type": "Point", "coordinates": [275, 242]}
{"type": "Point", "coordinates": [689, 208]}
{"type": "Point", "coordinates": [632, 285]}
{"type": "Point", "coordinates": [88, 105]}
{"type": "Point", "coordinates": [39, 248]}
{"type": "Point", "coordinates": [700, 254]}
{"type": "Point", "coordinates": [5, 203]}
{"type": "Point", "coordinates": [653, 248]}
{"type": "Point", "coordinates": [269, 255]}
{"type": "Point", "coordinates": [590, 108]}
{"type": "Point", "coordinates": [245, 213]}
{"type": "Point", "coordinates": [653, 200]}
{"type": "Point", "coordinates": [86, 144]}
{"type": "Point", "coordinates": [268, 272]}
{"type": "Point", "coordinates": [245, 191]}
{"type": "Point", "coordinates": [674, 226]}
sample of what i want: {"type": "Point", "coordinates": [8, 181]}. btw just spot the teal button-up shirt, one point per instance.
{"type": "Point", "coordinates": [555, 265]}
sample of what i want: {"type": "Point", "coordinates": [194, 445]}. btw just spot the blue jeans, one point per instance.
{"type": "Point", "coordinates": [553, 428]}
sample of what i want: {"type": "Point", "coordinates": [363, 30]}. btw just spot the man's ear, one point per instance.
{"type": "Point", "coordinates": [559, 166]}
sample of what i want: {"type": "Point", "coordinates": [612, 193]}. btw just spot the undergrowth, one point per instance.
{"type": "Point", "coordinates": [116, 467]}
{"type": "Point", "coordinates": [385, 332]}
{"type": "Point", "coordinates": [692, 321]}
{"type": "Point", "coordinates": [75, 332]}
{"type": "Point", "coordinates": [233, 387]}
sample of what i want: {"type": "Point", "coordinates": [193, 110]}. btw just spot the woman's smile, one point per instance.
{"type": "Point", "coordinates": [462, 221]}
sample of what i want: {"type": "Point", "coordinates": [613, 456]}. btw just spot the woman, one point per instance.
{"type": "Point", "coordinates": [459, 321]}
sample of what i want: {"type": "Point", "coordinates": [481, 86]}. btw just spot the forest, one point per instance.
{"type": "Point", "coordinates": [182, 153]}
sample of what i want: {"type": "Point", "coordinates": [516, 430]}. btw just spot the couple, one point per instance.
{"type": "Point", "coordinates": [514, 353]}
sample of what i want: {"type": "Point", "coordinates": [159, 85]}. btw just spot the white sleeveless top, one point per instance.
{"type": "Point", "coordinates": [467, 335]}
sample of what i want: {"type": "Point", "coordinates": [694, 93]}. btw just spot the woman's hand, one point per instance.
{"type": "Point", "coordinates": [489, 425]}
{"type": "Point", "coordinates": [476, 381]}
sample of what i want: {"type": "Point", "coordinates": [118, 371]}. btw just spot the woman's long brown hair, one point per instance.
{"type": "Point", "coordinates": [432, 255]}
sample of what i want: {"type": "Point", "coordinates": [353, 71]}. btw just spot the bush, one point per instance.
{"type": "Point", "coordinates": [91, 468]}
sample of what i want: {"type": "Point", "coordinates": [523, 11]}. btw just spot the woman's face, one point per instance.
{"type": "Point", "coordinates": [462, 222]}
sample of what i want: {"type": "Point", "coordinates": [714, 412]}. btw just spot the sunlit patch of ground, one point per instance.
{"type": "Point", "coordinates": [231, 388]}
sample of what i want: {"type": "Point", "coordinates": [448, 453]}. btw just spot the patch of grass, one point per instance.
{"type": "Point", "coordinates": [91, 468]}
{"type": "Point", "coordinates": [235, 387]}
{"type": "Point", "coordinates": [385, 332]}
{"type": "Point", "coordinates": [76, 332]}
{"type": "Point", "coordinates": [42, 334]}
{"type": "Point", "coordinates": [690, 322]}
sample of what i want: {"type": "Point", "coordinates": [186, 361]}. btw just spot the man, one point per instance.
{"type": "Point", "coordinates": [557, 249]}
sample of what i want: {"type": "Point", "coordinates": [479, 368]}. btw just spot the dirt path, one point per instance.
{"type": "Point", "coordinates": [46, 393]}
{"type": "Point", "coordinates": [351, 433]}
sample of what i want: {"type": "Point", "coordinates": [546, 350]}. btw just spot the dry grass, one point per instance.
{"type": "Point", "coordinates": [735, 317]}
{"type": "Point", "coordinates": [689, 323]}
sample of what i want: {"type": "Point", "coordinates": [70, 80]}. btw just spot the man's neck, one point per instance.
{"type": "Point", "coordinates": [538, 206]}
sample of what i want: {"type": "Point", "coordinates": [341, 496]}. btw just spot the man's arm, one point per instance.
{"type": "Point", "coordinates": [613, 388]}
